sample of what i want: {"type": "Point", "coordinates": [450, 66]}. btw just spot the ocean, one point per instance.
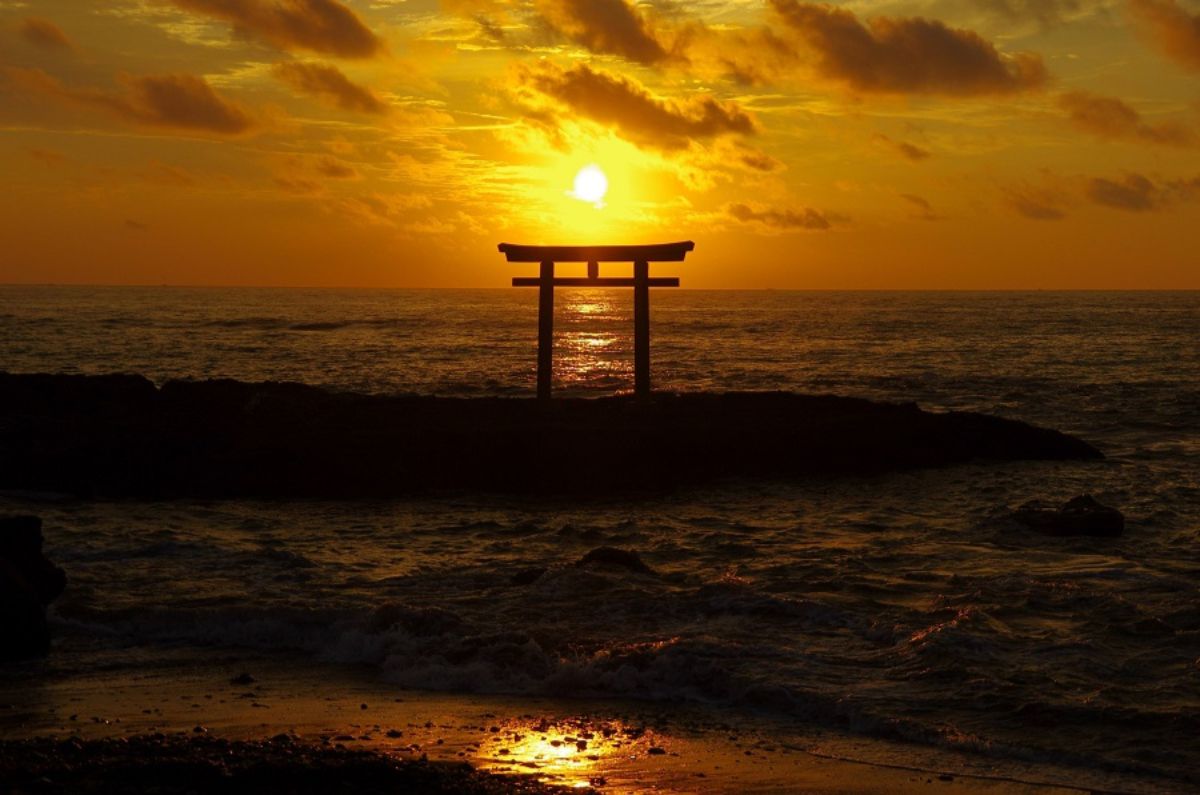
{"type": "Point", "coordinates": [899, 607]}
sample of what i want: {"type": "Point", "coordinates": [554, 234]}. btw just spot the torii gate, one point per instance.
{"type": "Point", "coordinates": [640, 256]}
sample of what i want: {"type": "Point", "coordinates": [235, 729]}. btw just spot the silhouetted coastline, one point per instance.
{"type": "Point", "coordinates": [121, 436]}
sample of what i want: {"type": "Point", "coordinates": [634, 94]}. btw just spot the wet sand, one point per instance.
{"type": "Point", "coordinates": [279, 717]}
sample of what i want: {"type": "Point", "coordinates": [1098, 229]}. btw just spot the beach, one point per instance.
{"type": "Point", "coordinates": [175, 707]}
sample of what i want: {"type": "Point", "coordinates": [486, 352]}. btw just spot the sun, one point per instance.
{"type": "Point", "coordinates": [591, 185]}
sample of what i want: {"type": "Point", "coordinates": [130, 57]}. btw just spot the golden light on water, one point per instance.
{"type": "Point", "coordinates": [595, 344]}
{"type": "Point", "coordinates": [572, 753]}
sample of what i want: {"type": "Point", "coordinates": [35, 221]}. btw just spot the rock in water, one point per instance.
{"type": "Point", "coordinates": [1079, 516]}
{"type": "Point", "coordinates": [527, 576]}
{"type": "Point", "coordinates": [611, 556]}
{"type": "Point", "coordinates": [28, 582]}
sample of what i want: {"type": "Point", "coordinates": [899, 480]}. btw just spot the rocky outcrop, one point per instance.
{"type": "Point", "coordinates": [614, 557]}
{"type": "Point", "coordinates": [1079, 516]}
{"type": "Point", "coordinates": [121, 436]}
{"type": "Point", "coordinates": [28, 583]}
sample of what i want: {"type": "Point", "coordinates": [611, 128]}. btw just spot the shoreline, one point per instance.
{"type": "Point", "coordinates": [329, 709]}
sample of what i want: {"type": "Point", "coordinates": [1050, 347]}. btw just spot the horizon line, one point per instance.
{"type": "Point", "coordinates": [188, 286]}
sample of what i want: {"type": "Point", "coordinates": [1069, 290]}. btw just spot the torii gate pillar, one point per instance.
{"type": "Point", "coordinates": [640, 256]}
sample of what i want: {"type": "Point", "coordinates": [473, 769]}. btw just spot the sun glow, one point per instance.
{"type": "Point", "coordinates": [591, 185]}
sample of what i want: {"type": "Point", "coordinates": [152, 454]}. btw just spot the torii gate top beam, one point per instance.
{"type": "Point", "coordinates": [657, 252]}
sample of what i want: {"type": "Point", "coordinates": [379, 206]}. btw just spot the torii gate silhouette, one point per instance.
{"type": "Point", "coordinates": [640, 256]}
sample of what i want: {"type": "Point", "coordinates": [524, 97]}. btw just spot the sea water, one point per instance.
{"type": "Point", "coordinates": [900, 606]}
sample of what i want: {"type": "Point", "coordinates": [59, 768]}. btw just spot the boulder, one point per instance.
{"type": "Point", "coordinates": [1079, 516]}
{"type": "Point", "coordinates": [612, 556]}
{"type": "Point", "coordinates": [28, 583]}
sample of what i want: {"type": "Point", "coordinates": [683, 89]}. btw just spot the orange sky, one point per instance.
{"type": "Point", "coordinates": [884, 144]}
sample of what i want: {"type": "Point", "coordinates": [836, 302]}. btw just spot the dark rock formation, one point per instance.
{"type": "Point", "coordinates": [527, 576]}
{"type": "Point", "coordinates": [611, 556]}
{"type": "Point", "coordinates": [120, 436]}
{"type": "Point", "coordinates": [1079, 516]}
{"type": "Point", "coordinates": [28, 583]}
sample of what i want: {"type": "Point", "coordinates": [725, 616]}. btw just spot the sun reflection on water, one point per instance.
{"type": "Point", "coordinates": [572, 753]}
{"type": "Point", "coordinates": [594, 340]}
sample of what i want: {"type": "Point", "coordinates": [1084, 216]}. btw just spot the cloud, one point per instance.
{"type": "Point", "coordinates": [627, 107]}
{"type": "Point", "coordinates": [605, 26]}
{"type": "Point", "coordinates": [43, 33]}
{"type": "Point", "coordinates": [335, 169]}
{"type": "Point", "coordinates": [1138, 193]}
{"type": "Point", "coordinates": [903, 148]}
{"type": "Point", "coordinates": [1108, 117]}
{"type": "Point", "coordinates": [783, 220]}
{"type": "Point", "coordinates": [324, 26]}
{"type": "Point", "coordinates": [328, 83]}
{"type": "Point", "coordinates": [907, 55]}
{"type": "Point", "coordinates": [178, 101]}
{"type": "Point", "coordinates": [923, 210]}
{"type": "Point", "coordinates": [758, 161]}
{"type": "Point", "coordinates": [298, 185]}
{"type": "Point", "coordinates": [1036, 204]}
{"type": "Point", "coordinates": [1173, 29]}
{"type": "Point", "coordinates": [1133, 192]}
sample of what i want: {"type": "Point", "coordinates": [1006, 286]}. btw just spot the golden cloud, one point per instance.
{"type": "Point", "coordinates": [784, 220]}
{"type": "Point", "coordinates": [329, 84]}
{"type": "Point", "coordinates": [908, 151]}
{"type": "Point", "coordinates": [1138, 193]}
{"type": "Point", "coordinates": [1173, 29]}
{"type": "Point", "coordinates": [43, 33]}
{"type": "Point", "coordinates": [628, 108]}
{"type": "Point", "coordinates": [1108, 117]}
{"type": "Point", "coordinates": [605, 26]}
{"type": "Point", "coordinates": [906, 55]}
{"type": "Point", "coordinates": [324, 26]}
{"type": "Point", "coordinates": [178, 101]}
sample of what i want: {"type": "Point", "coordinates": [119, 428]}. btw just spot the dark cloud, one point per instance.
{"type": "Point", "coordinates": [335, 169]}
{"type": "Point", "coordinates": [1132, 192]}
{"type": "Point", "coordinates": [179, 101]}
{"type": "Point", "coordinates": [1138, 193]}
{"type": "Point", "coordinates": [903, 148]}
{"type": "Point", "coordinates": [325, 26]}
{"type": "Point", "coordinates": [136, 225]}
{"type": "Point", "coordinates": [298, 186]}
{"type": "Point", "coordinates": [1108, 117]}
{"type": "Point", "coordinates": [633, 112]}
{"type": "Point", "coordinates": [1036, 204]}
{"type": "Point", "coordinates": [605, 26]}
{"type": "Point", "coordinates": [758, 161]}
{"type": "Point", "coordinates": [907, 55]}
{"type": "Point", "coordinates": [328, 83]}
{"type": "Point", "coordinates": [1172, 28]}
{"type": "Point", "coordinates": [786, 220]}
{"type": "Point", "coordinates": [923, 210]}
{"type": "Point", "coordinates": [43, 33]}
